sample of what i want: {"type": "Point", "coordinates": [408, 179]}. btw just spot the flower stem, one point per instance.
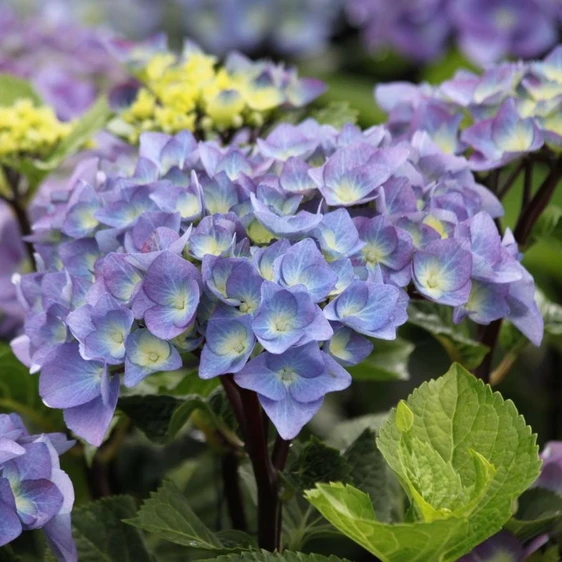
{"type": "Point", "coordinates": [13, 180]}
{"type": "Point", "coordinates": [537, 204]}
{"type": "Point", "coordinates": [232, 491]}
{"type": "Point", "coordinates": [249, 414]}
{"type": "Point", "coordinates": [489, 337]}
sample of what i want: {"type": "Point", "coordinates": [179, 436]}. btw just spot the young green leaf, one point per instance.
{"type": "Point", "coordinates": [167, 515]}
{"type": "Point", "coordinates": [161, 417]}
{"type": "Point", "coordinates": [101, 536]}
{"type": "Point", "coordinates": [461, 453]}
{"type": "Point", "coordinates": [468, 452]}
{"type": "Point", "coordinates": [351, 511]}
{"type": "Point", "coordinates": [84, 129]}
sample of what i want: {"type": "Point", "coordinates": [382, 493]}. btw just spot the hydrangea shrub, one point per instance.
{"type": "Point", "coordinates": [224, 274]}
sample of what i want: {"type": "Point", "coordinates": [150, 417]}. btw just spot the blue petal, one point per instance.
{"type": "Point", "coordinates": [90, 421]}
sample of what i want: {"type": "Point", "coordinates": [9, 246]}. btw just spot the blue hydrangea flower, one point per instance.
{"type": "Point", "coordinates": [169, 296]}
{"type": "Point", "coordinates": [338, 236]}
{"type": "Point", "coordinates": [229, 342]}
{"type": "Point", "coordinates": [303, 264]}
{"type": "Point", "coordinates": [34, 492]}
{"type": "Point", "coordinates": [239, 255]}
{"type": "Point", "coordinates": [291, 386]}
{"type": "Point", "coordinates": [288, 317]}
{"type": "Point", "coordinates": [147, 354]}
{"type": "Point", "coordinates": [347, 347]}
{"type": "Point", "coordinates": [372, 309]}
{"type": "Point", "coordinates": [442, 271]}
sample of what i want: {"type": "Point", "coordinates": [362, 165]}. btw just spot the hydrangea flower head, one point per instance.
{"type": "Point", "coordinates": [256, 260]}
{"type": "Point", "coordinates": [192, 92]}
{"type": "Point", "coordinates": [507, 112]}
{"type": "Point", "coordinates": [29, 130]}
{"type": "Point", "coordinates": [34, 492]}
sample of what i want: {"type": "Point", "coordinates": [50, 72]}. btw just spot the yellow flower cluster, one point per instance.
{"type": "Point", "coordinates": [195, 94]}
{"type": "Point", "coordinates": [29, 130]}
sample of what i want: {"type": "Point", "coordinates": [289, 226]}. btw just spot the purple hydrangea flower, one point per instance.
{"type": "Point", "coordinates": [288, 317]}
{"type": "Point", "coordinates": [254, 257]}
{"type": "Point", "coordinates": [490, 30]}
{"type": "Point", "coordinates": [291, 385]}
{"type": "Point", "coordinates": [34, 492]}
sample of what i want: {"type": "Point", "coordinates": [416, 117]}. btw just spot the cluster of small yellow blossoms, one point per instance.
{"type": "Point", "coordinates": [29, 130]}
{"type": "Point", "coordinates": [192, 92]}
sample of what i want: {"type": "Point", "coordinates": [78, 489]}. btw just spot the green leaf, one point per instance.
{"type": "Point", "coordinates": [317, 463]}
{"type": "Point", "coordinates": [151, 414]}
{"type": "Point", "coordinates": [351, 511]}
{"type": "Point", "coordinates": [101, 536]}
{"type": "Point", "coordinates": [335, 113]}
{"type": "Point", "coordinates": [167, 515]}
{"type": "Point", "coordinates": [404, 417]}
{"type": "Point", "coordinates": [19, 392]}
{"type": "Point", "coordinates": [302, 523]}
{"type": "Point", "coordinates": [461, 453]}
{"type": "Point", "coordinates": [539, 511]}
{"type": "Point", "coordinates": [161, 417]}
{"type": "Point", "coordinates": [346, 432]}
{"type": "Point", "coordinates": [13, 88]}
{"type": "Point", "coordinates": [265, 556]}
{"type": "Point", "coordinates": [90, 123]}
{"type": "Point", "coordinates": [389, 361]}
{"type": "Point", "coordinates": [8, 555]}
{"type": "Point", "coordinates": [371, 474]}
{"type": "Point", "coordinates": [460, 348]}
{"type": "Point", "coordinates": [468, 454]}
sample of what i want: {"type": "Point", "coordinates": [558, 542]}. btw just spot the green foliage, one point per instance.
{"type": "Point", "coordinates": [162, 416]}
{"type": "Point", "coordinates": [389, 361]}
{"type": "Point", "coordinates": [19, 392]}
{"type": "Point", "coordinates": [101, 536]}
{"type": "Point", "coordinates": [371, 474]}
{"type": "Point", "coordinates": [167, 514]}
{"type": "Point", "coordinates": [335, 113]}
{"type": "Point", "coordinates": [90, 123]}
{"type": "Point", "coordinates": [152, 414]}
{"type": "Point", "coordinates": [462, 455]}
{"type": "Point", "coordinates": [265, 556]}
{"type": "Point", "coordinates": [13, 88]}
{"type": "Point", "coordinates": [302, 523]}
{"type": "Point", "coordinates": [347, 431]}
{"type": "Point", "coordinates": [317, 463]}
{"type": "Point", "coordinates": [351, 511]}
{"type": "Point", "coordinates": [539, 511]}
{"type": "Point", "coordinates": [437, 321]}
